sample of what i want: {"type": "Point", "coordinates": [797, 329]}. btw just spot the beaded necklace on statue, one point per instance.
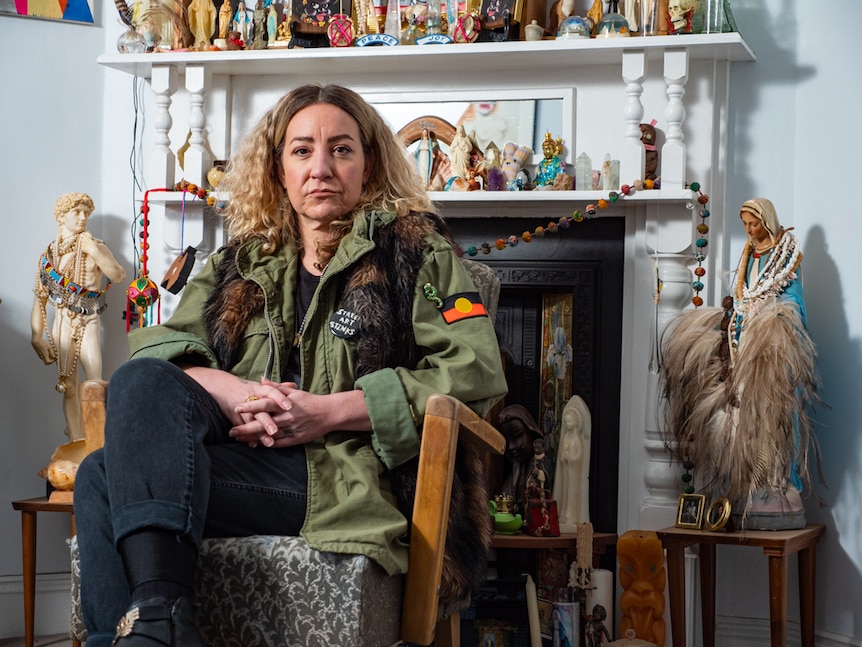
{"type": "Point", "coordinates": [779, 269]}
{"type": "Point", "coordinates": [61, 280]}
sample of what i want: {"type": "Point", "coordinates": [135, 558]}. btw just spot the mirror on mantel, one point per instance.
{"type": "Point", "coordinates": [520, 119]}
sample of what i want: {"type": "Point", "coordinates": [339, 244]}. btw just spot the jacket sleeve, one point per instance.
{"type": "Point", "coordinates": [460, 358]}
{"type": "Point", "coordinates": [185, 332]}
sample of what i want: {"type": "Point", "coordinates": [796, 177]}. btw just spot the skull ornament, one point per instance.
{"type": "Point", "coordinates": [680, 13]}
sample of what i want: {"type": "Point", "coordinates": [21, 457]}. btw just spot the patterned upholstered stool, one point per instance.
{"type": "Point", "coordinates": [277, 592]}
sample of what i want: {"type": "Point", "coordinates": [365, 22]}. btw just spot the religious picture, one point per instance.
{"type": "Point", "coordinates": [556, 380]}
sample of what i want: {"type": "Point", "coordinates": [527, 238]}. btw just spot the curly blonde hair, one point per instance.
{"type": "Point", "coordinates": [259, 207]}
{"type": "Point", "coordinates": [68, 201]}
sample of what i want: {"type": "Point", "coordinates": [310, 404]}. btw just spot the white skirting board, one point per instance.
{"type": "Point", "coordinates": [52, 605]}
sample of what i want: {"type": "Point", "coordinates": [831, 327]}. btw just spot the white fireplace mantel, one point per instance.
{"type": "Point", "coordinates": [210, 98]}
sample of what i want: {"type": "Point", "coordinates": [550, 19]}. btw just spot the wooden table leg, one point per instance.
{"type": "Point", "coordinates": [807, 579]}
{"type": "Point", "coordinates": [707, 593]}
{"type": "Point", "coordinates": [778, 600]}
{"type": "Point", "coordinates": [676, 593]}
{"type": "Point", "coordinates": [28, 544]}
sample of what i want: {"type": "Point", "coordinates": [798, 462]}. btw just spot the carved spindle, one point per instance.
{"type": "Point", "coordinates": [163, 83]}
{"type": "Point", "coordinates": [196, 162]}
{"type": "Point", "coordinates": [632, 158]}
{"type": "Point", "coordinates": [673, 151]}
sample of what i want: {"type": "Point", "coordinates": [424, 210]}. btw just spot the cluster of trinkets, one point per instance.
{"type": "Point", "coordinates": [142, 292]}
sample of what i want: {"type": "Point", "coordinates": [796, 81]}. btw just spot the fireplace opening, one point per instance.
{"type": "Point", "coordinates": [575, 275]}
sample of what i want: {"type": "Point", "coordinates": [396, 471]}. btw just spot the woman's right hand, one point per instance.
{"type": "Point", "coordinates": [230, 391]}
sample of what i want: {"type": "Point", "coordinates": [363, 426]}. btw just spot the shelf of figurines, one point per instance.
{"type": "Point", "coordinates": [336, 62]}
{"type": "Point", "coordinates": [498, 204]}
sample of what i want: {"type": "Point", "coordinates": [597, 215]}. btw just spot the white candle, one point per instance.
{"type": "Point", "coordinates": [601, 591]}
{"type": "Point", "coordinates": [533, 613]}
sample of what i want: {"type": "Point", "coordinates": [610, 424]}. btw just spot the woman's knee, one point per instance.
{"type": "Point", "coordinates": [142, 376]}
{"type": "Point", "coordinates": [90, 477]}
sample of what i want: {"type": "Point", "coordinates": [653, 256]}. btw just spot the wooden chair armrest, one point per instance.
{"type": "Point", "coordinates": [445, 419]}
{"type": "Point", "coordinates": [93, 413]}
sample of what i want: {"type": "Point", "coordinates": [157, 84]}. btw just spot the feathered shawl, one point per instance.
{"type": "Point", "coordinates": [744, 426]}
{"type": "Point", "coordinates": [379, 288]}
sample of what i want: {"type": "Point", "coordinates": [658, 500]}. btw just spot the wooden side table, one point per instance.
{"type": "Point", "coordinates": [29, 509]}
{"type": "Point", "coordinates": [778, 546]}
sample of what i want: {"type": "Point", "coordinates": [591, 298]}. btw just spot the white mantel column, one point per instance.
{"type": "Point", "coordinates": [659, 243]}
{"type": "Point", "coordinates": [163, 83]}
{"type": "Point", "coordinates": [632, 157]}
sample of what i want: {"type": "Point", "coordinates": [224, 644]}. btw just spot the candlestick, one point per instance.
{"type": "Point", "coordinates": [533, 613]}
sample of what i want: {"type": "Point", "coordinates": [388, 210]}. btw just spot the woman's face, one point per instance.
{"type": "Point", "coordinates": [754, 229]}
{"type": "Point", "coordinates": [323, 165]}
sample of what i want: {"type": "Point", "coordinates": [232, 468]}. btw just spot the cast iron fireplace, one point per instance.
{"type": "Point", "coordinates": [586, 259]}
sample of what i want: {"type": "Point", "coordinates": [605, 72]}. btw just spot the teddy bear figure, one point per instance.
{"type": "Point", "coordinates": [513, 159]}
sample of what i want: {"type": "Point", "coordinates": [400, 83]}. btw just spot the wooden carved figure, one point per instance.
{"type": "Point", "coordinates": [642, 578]}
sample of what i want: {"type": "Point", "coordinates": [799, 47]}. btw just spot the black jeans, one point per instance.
{"type": "Point", "coordinates": [169, 463]}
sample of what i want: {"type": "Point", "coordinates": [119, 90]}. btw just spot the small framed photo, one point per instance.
{"type": "Point", "coordinates": [494, 12]}
{"type": "Point", "coordinates": [689, 514]}
{"type": "Point", "coordinates": [312, 16]}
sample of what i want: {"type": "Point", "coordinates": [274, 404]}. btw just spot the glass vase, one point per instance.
{"type": "Point", "coordinates": [713, 17]}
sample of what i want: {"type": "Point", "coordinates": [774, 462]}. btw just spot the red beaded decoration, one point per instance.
{"type": "Point", "coordinates": [142, 293]}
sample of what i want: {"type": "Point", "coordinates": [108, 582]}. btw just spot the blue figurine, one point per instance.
{"type": "Point", "coordinates": [551, 166]}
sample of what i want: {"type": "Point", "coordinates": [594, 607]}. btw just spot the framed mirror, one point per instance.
{"type": "Point", "coordinates": [521, 116]}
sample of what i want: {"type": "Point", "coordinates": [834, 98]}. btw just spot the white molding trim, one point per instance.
{"type": "Point", "coordinates": [53, 595]}
{"type": "Point", "coordinates": [754, 632]}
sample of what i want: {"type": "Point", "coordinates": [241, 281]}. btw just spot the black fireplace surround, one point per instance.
{"type": "Point", "coordinates": [586, 258]}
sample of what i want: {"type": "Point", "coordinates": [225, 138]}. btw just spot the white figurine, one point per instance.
{"type": "Point", "coordinates": [70, 277]}
{"type": "Point", "coordinates": [572, 476]}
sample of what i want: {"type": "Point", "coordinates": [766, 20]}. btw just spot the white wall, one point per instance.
{"type": "Point", "coordinates": [51, 117]}
{"type": "Point", "coordinates": [794, 139]}
{"type": "Point", "coordinates": [66, 125]}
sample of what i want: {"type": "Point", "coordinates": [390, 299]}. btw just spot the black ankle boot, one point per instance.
{"type": "Point", "coordinates": [159, 621]}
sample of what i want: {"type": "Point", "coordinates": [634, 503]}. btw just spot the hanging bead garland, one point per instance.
{"type": "Point", "coordinates": [700, 243]}
{"type": "Point", "coordinates": [591, 210]}
{"type": "Point", "coordinates": [143, 293]}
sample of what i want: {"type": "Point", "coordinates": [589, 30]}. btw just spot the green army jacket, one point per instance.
{"type": "Point", "coordinates": [350, 505]}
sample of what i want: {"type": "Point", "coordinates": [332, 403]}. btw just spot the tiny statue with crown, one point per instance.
{"type": "Point", "coordinates": [74, 274]}
{"type": "Point", "coordinates": [551, 165]}
{"type": "Point", "coordinates": [542, 517]}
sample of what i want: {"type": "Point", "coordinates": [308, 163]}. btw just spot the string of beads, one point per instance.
{"type": "Point", "coordinates": [592, 210]}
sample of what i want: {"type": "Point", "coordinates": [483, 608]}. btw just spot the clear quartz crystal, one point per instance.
{"type": "Point", "coordinates": [433, 17]}
{"type": "Point", "coordinates": [583, 173]}
{"type": "Point", "coordinates": [393, 18]}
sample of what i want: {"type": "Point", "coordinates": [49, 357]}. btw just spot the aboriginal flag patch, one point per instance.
{"type": "Point", "coordinates": [463, 305]}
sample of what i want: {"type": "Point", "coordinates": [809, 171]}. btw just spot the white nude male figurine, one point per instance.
{"type": "Point", "coordinates": [572, 479]}
{"type": "Point", "coordinates": [70, 277]}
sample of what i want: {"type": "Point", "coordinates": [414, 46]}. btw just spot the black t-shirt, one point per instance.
{"type": "Point", "coordinates": [305, 288]}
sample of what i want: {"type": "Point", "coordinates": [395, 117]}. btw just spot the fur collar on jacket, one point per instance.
{"type": "Point", "coordinates": [379, 288]}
